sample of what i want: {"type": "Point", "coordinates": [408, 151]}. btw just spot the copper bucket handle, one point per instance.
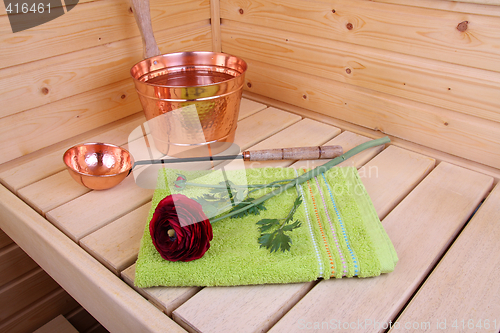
{"type": "Point", "coordinates": [143, 18]}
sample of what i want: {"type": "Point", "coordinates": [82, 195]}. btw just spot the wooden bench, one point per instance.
{"type": "Point", "coordinates": [423, 205]}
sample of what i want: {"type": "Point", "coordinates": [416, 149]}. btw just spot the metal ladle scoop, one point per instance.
{"type": "Point", "coordinates": [101, 166]}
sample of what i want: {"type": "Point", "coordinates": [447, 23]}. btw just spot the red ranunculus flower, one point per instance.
{"type": "Point", "coordinates": [179, 229]}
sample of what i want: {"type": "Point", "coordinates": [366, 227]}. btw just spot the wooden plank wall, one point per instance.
{"type": "Point", "coordinates": [72, 74]}
{"type": "Point", "coordinates": [427, 71]}
{"type": "Point", "coordinates": [62, 79]}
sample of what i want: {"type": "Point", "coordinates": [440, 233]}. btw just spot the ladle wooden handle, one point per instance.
{"type": "Point", "coordinates": [297, 153]}
{"type": "Point", "coordinates": [143, 18]}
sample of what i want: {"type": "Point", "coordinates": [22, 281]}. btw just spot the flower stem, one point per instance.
{"type": "Point", "coordinates": [308, 175]}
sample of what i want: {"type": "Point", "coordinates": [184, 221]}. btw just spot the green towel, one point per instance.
{"type": "Point", "coordinates": [340, 236]}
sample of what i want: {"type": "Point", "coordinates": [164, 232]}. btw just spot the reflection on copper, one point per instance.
{"type": "Point", "coordinates": [199, 91]}
{"type": "Point", "coordinates": [98, 166]}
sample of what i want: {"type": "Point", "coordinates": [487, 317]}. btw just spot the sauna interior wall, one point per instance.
{"type": "Point", "coordinates": [427, 71]}
{"type": "Point", "coordinates": [62, 79]}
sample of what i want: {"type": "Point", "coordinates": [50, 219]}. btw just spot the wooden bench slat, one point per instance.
{"type": "Point", "coordinates": [47, 165]}
{"type": "Point", "coordinates": [403, 168]}
{"type": "Point", "coordinates": [249, 107]}
{"type": "Point", "coordinates": [306, 132]}
{"type": "Point", "coordinates": [116, 245]}
{"type": "Point", "coordinates": [421, 227]}
{"type": "Point", "coordinates": [95, 209]}
{"type": "Point", "coordinates": [57, 325]}
{"type": "Point", "coordinates": [269, 121]}
{"type": "Point", "coordinates": [85, 214]}
{"type": "Point", "coordinates": [463, 289]}
{"type": "Point", "coordinates": [347, 140]}
{"type": "Point", "coordinates": [166, 299]}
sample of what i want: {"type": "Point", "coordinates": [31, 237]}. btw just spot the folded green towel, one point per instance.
{"type": "Point", "coordinates": [340, 236]}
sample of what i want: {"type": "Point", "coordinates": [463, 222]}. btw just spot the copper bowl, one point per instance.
{"type": "Point", "coordinates": [98, 166]}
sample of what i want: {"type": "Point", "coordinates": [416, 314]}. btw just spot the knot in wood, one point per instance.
{"type": "Point", "coordinates": [249, 84]}
{"type": "Point", "coordinates": [462, 26]}
{"type": "Point", "coordinates": [241, 11]}
{"type": "Point", "coordinates": [45, 90]}
{"type": "Point", "coordinates": [348, 70]}
{"type": "Point", "coordinates": [349, 26]}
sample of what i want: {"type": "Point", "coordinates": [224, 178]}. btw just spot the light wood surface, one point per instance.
{"type": "Point", "coordinates": [421, 227]}
{"type": "Point", "coordinates": [25, 290]}
{"type": "Point", "coordinates": [454, 87]}
{"type": "Point", "coordinates": [268, 122]}
{"type": "Point", "coordinates": [215, 23]}
{"type": "Point", "coordinates": [455, 133]}
{"type": "Point", "coordinates": [110, 300]}
{"type": "Point", "coordinates": [417, 31]}
{"type": "Point", "coordinates": [57, 325]}
{"type": "Point", "coordinates": [401, 168]}
{"type": "Point", "coordinates": [117, 244]}
{"type": "Point", "coordinates": [482, 7]}
{"type": "Point", "coordinates": [463, 289]}
{"type": "Point", "coordinates": [347, 140]}
{"type": "Point", "coordinates": [304, 133]}
{"type": "Point", "coordinates": [91, 24]}
{"type": "Point", "coordinates": [166, 299]}
{"type": "Point", "coordinates": [249, 107]}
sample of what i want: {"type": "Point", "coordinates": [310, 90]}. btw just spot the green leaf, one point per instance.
{"type": "Point", "coordinates": [265, 240]}
{"type": "Point", "coordinates": [267, 224]}
{"type": "Point", "coordinates": [290, 227]}
{"type": "Point", "coordinates": [281, 241]}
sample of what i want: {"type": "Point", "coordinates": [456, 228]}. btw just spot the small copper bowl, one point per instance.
{"type": "Point", "coordinates": [98, 166]}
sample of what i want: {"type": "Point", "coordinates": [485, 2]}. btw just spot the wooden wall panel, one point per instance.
{"type": "Point", "coordinates": [458, 134]}
{"type": "Point", "coordinates": [423, 32]}
{"type": "Point", "coordinates": [59, 77]}
{"type": "Point", "coordinates": [4, 239]}
{"type": "Point", "coordinates": [92, 24]}
{"type": "Point", "coordinates": [482, 7]}
{"type": "Point", "coordinates": [31, 287]}
{"type": "Point", "coordinates": [39, 313]}
{"type": "Point", "coordinates": [14, 263]}
{"type": "Point", "coordinates": [90, 88]}
{"type": "Point", "coordinates": [458, 88]}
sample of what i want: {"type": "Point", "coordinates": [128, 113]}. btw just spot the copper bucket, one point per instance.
{"type": "Point", "coordinates": [191, 100]}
